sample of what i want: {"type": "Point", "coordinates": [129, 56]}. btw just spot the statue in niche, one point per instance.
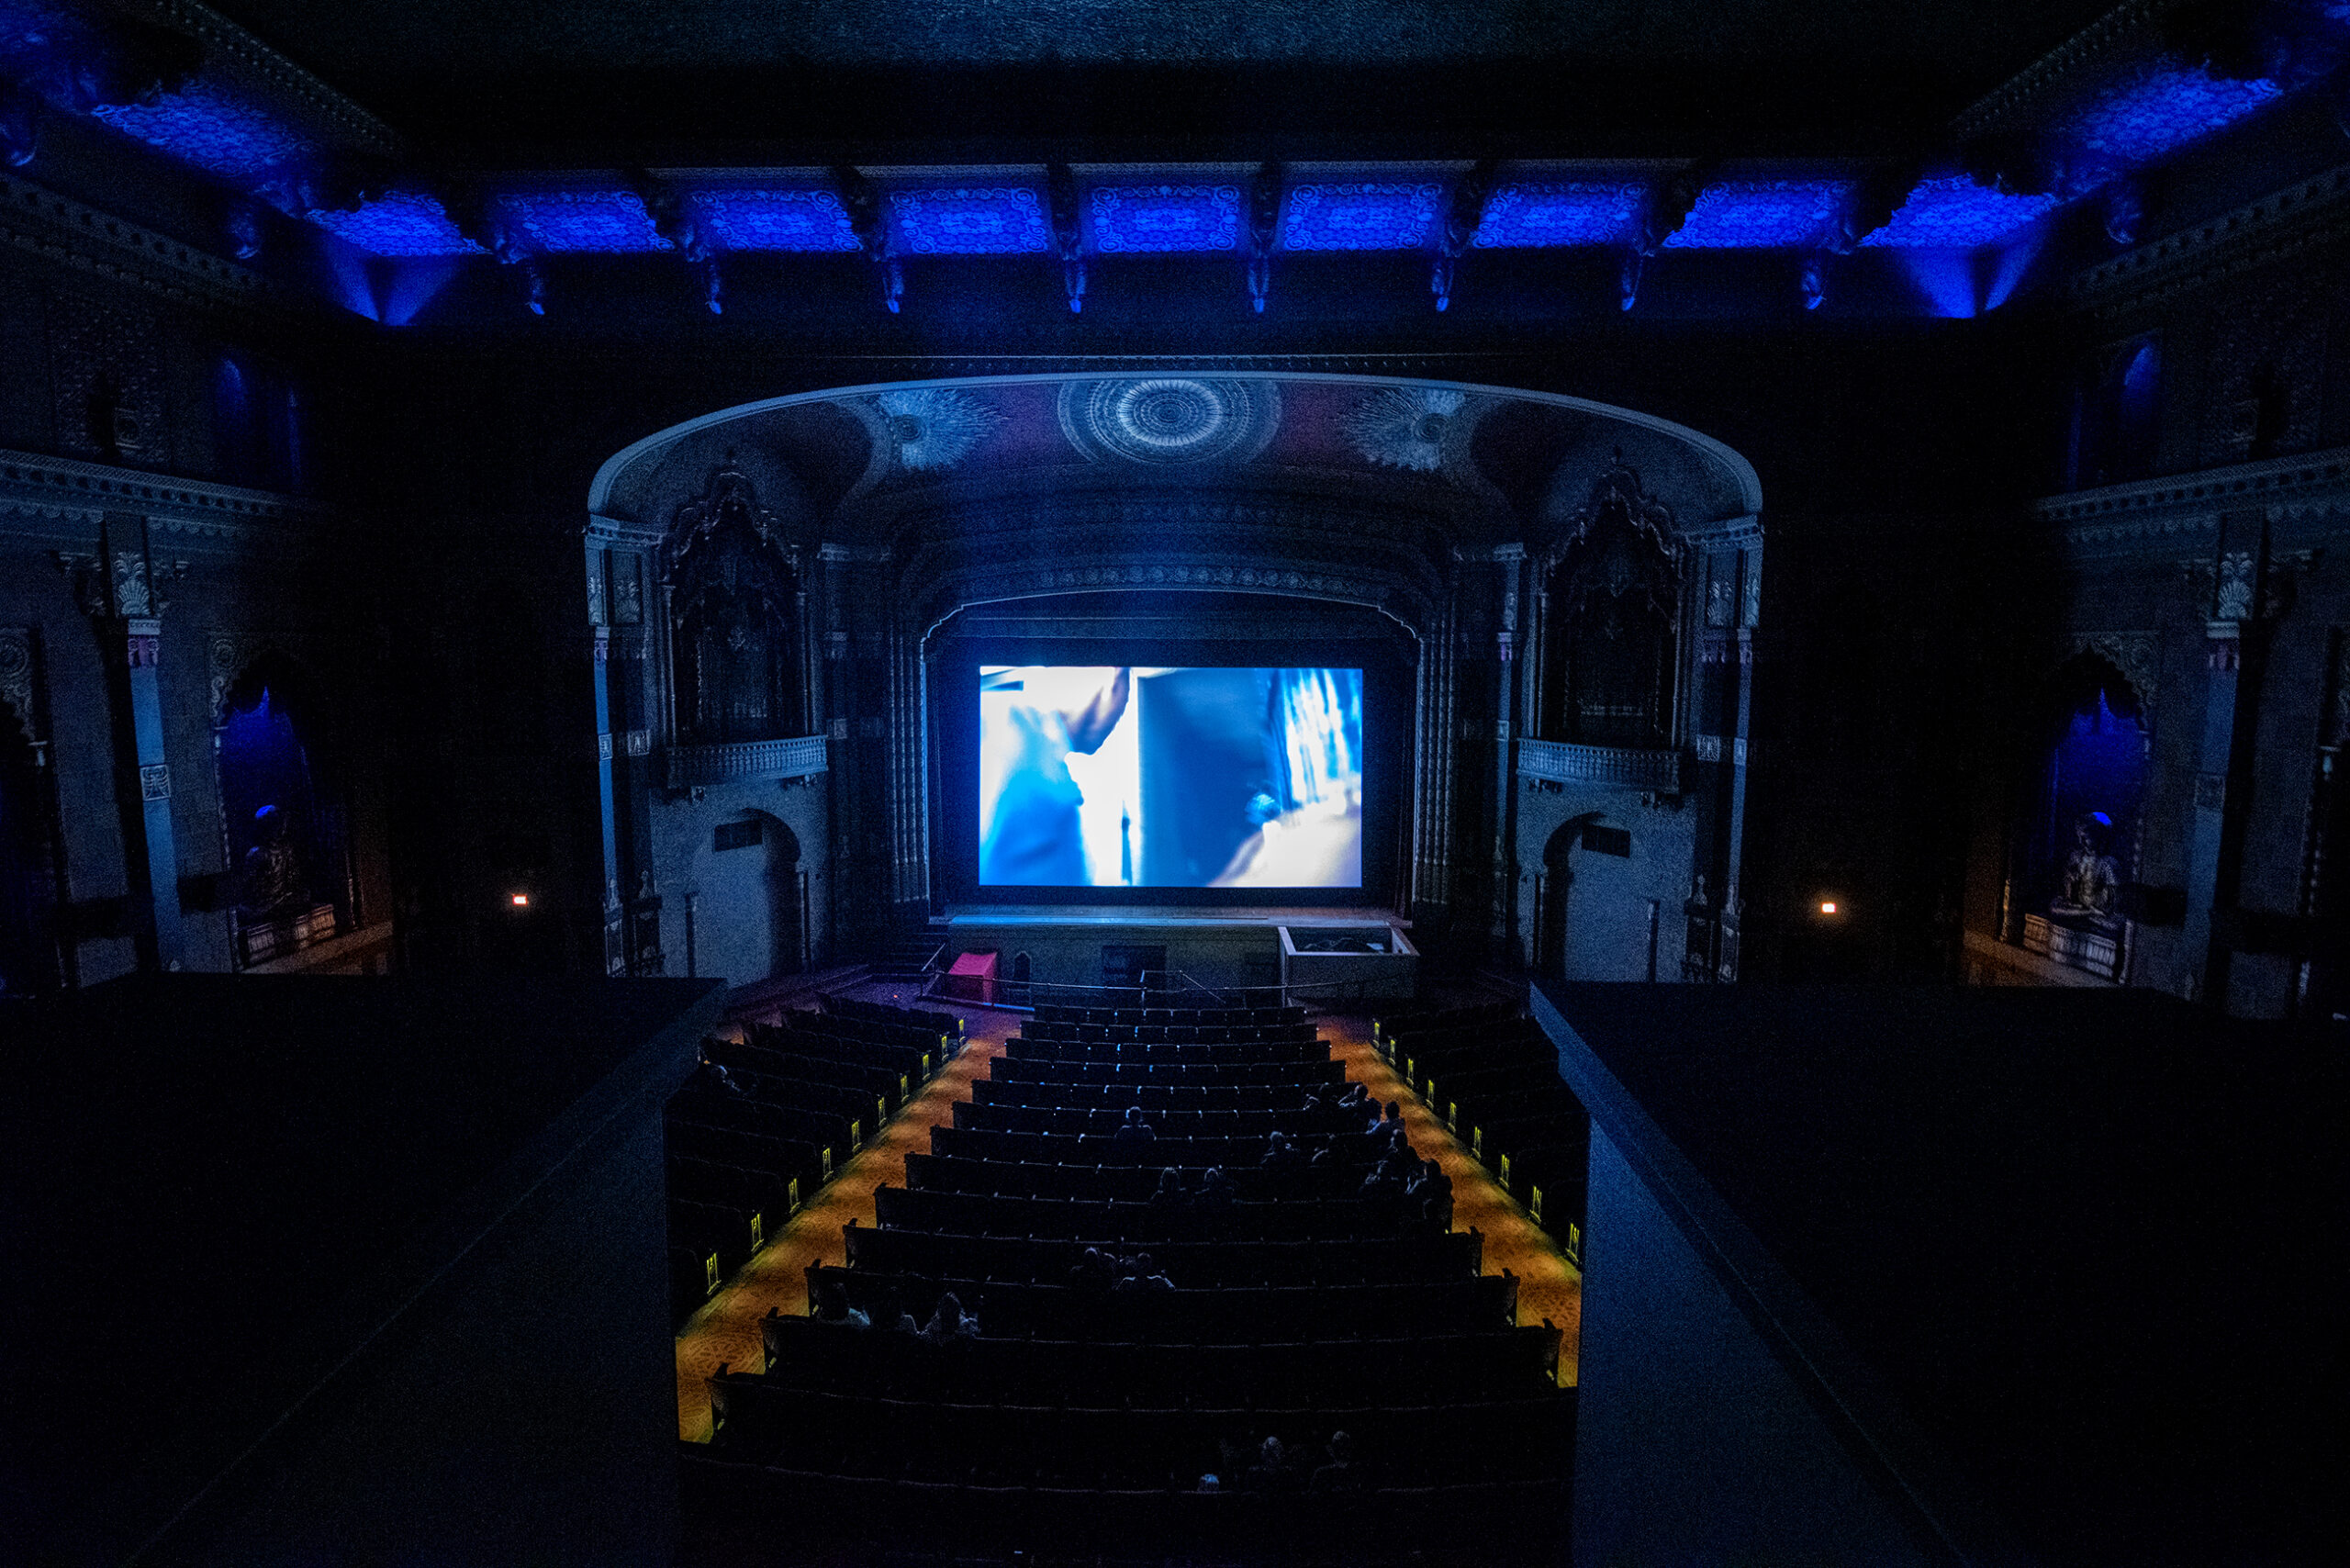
{"type": "Point", "coordinates": [274, 886]}
{"type": "Point", "coordinates": [2092, 880]}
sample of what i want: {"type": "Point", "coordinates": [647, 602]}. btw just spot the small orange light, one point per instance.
{"type": "Point", "coordinates": [1827, 906]}
{"type": "Point", "coordinates": [519, 900]}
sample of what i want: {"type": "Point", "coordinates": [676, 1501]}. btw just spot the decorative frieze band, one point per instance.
{"type": "Point", "coordinates": [66, 231]}
{"type": "Point", "coordinates": [2154, 510]}
{"type": "Point", "coordinates": [1565, 762]}
{"type": "Point", "coordinates": [2277, 225]}
{"type": "Point", "coordinates": [37, 486]}
{"type": "Point", "coordinates": [699, 766]}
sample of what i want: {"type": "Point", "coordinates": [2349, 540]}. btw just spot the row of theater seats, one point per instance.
{"type": "Point", "coordinates": [1125, 1399]}
{"type": "Point", "coordinates": [1492, 1077]}
{"type": "Point", "coordinates": [765, 1122]}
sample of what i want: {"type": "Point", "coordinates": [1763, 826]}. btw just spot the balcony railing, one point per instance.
{"type": "Point", "coordinates": [1612, 768]}
{"type": "Point", "coordinates": [744, 762]}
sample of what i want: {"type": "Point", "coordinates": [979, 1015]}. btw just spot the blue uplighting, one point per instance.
{"type": "Point", "coordinates": [1761, 215]}
{"type": "Point", "coordinates": [217, 133]}
{"type": "Point", "coordinates": [1570, 212]}
{"type": "Point", "coordinates": [399, 223]}
{"type": "Point", "coordinates": [1166, 218]}
{"type": "Point", "coordinates": [1358, 217]}
{"type": "Point", "coordinates": [773, 221]}
{"type": "Point", "coordinates": [610, 222]}
{"type": "Point", "coordinates": [2158, 106]}
{"type": "Point", "coordinates": [1954, 212]}
{"type": "Point", "coordinates": [971, 220]}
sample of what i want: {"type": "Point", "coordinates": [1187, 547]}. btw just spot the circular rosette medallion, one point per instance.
{"type": "Point", "coordinates": [1169, 420]}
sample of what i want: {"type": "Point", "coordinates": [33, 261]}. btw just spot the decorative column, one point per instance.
{"type": "Point", "coordinates": [118, 591]}
{"type": "Point", "coordinates": [908, 804]}
{"type": "Point", "coordinates": [2235, 652]}
{"type": "Point", "coordinates": [1431, 890]}
{"type": "Point", "coordinates": [1502, 918]}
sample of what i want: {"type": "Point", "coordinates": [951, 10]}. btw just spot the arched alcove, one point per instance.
{"type": "Point", "coordinates": [2082, 844]}
{"type": "Point", "coordinates": [284, 839]}
{"type": "Point", "coordinates": [751, 900]}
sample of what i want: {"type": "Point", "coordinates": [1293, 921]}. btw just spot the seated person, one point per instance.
{"type": "Point", "coordinates": [1094, 1271]}
{"type": "Point", "coordinates": [1338, 1475]}
{"type": "Point", "coordinates": [1134, 1129]}
{"type": "Point", "coordinates": [1281, 1153]}
{"type": "Point", "coordinates": [1273, 1474]}
{"type": "Point", "coordinates": [1169, 1196]}
{"type": "Point", "coordinates": [1144, 1276]}
{"type": "Point", "coordinates": [950, 1324]}
{"type": "Point", "coordinates": [894, 1316]}
{"type": "Point", "coordinates": [1218, 1193]}
{"type": "Point", "coordinates": [832, 1306]}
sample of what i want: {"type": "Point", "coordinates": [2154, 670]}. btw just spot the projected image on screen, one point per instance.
{"type": "Point", "coordinates": [1134, 777]}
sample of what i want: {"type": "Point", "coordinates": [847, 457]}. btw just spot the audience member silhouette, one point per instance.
{"type": "Point", "coordinates": [894, 1316]}
{"type": "Point", "coordinates": [1272, 1476]}
{"type": "Point", "coordinates": [1217, 1193]}
{"type": "Point", "coordinates": [1144, 1275]}
{"type": "Point", "coordinates": [1134, 1129]}
{"type": "Point", "coordinates": [1170, 1195]}
{"type": "Point", "coordinates": [1094, 1271]}
{"type": "Point", "coordinates": [1338, 1475]}
{"type": "Point", "coordinates": [950, 1324]}
{"type": "Point", "coordinates": [832, 1306]}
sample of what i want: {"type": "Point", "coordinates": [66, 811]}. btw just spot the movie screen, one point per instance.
{"type": "Point", "coordinates": [1126, 777]}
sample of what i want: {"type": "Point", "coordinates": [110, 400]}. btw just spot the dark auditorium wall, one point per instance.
{"type": "Point", "coordinates": [460, 1436]}
{"type": "Point", "coordinates": [1693, 1443]}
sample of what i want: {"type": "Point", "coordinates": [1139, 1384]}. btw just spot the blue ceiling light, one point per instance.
{"type": "Point", "coordinates": [1360, 217]}
{"type": "Point", "coordinates": [1757, 215]}
{"type": "Point", "coordinates": [219, 134]}
{"type": "Point", "coordinates": [1570, 212]}
{"type": "Point", "coordinates": [999, 220]}
{"type": "Point", "coordinates": [2158, 106]}
{"type": "Point", "coordinates": [1133, 219]}
{"type": "Point", "coordinates": [613, 222]}
{"type": "Point", "coordinates": [774, 220]}
{"type": "Point", "coordinates": [399, 223]}
{"type": "Point", "coordinates": [1953, 212]}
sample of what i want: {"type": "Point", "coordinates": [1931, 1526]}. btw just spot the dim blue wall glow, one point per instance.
{"type": "Point", "coordinates": [399, 223]}
{"type": "Point", "coordinates": [1570, 212]}
{"type": "Point", "coordinates": [1358, 217]}
{"type": "Point", "coordinates": [219, 134]}
{"type": "Point", "coordinates": [614, 222]}
{"type": "Point", "coordinates": [1165, 217]}
{"type": "Point", "coordinates": [971, 220]}
{"type": "Point", "coordinates": [2158, 106]}
{"type": "Point", "coordinates": [773, 221]}
{"type": "Point", "coordinates": [1761, 214]}
{"type": "Point", "coordinates": [1954, 212]}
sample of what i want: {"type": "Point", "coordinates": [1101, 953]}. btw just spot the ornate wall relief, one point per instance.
{"type": "Point", "coordinates": [1169, 420]}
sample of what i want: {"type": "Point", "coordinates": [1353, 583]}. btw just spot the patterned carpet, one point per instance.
{"type": "Point", "coordinates": [726, 1329]}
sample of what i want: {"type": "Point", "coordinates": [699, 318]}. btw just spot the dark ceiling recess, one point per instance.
{"type": "Point", "coordinates": [817, 79]}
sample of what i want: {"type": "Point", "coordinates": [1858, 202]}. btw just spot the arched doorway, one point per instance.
{"type": "Point", "coordinates": [283, 833]}
{"type": "Point", "coordinates": [750, 900]}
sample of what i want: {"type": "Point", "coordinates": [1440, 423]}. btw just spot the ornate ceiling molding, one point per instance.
{"type": "Point", "coordinates": [2047, 77]}
{"type": "Point", "coordinates": [35, 486]}
{"type": "Point", "coordinates": [256, 62]}
{"type": "Point", "coordinates": [69, 233]}
{"type": "Point", "coordinates": [2312, 212]}
{"type": "Point", "coordinates": [2115, 518]}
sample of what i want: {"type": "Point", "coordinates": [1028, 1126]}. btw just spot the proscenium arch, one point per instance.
{"type": "Point", "coordinates": [1726, 460]}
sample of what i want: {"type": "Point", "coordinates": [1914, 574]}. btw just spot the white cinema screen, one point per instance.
{"type": "Point", "coordinates": [1132, 776]}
